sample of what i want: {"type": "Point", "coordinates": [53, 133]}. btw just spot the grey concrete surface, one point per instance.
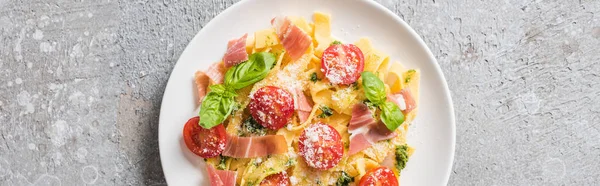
{"type": "Point", "coordinates": [81, 83]}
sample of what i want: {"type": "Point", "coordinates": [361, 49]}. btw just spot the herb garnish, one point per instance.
{"type": "Point", "coordinates": [222, 162]}
{"type": "Point", "coordinates": [344, 179]}
{"type": "Point", "coordinates": [374, 88]}
{"type": "Point", "coordinates": [218, 104]}
{"type": "Point", "coordinates": [252, 127]}
{"type": "Point", "coordinates": [336, 42]}
{"type": "Point", "coordinates": [314, 78]}
{"type": "Point", "coordinates": [325, 112]}
{"type": "Point", "coordinates": [401, 156]}
{"type": "Point", "coordinates": [409, 75]}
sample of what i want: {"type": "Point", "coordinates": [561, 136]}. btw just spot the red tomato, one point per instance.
{"type": "Point", "coordinates": [321, 146]}
{"type": "Point", "coordinates": [206, 143]}
{"type": "Point", "coordinates": [279, 179]}
{"type": "Point", "coordinates": [381, 176]}
{"type": "Point", "coordinates": [272, 107]}
{"type": "Point", "coordinates": [342, 63]}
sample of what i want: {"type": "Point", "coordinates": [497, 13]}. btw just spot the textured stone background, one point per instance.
{"type": "Point", "coordinates": [81, 83]}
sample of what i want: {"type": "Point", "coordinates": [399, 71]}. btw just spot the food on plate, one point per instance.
{"type": "Point", "coordinates": [272, 107]}
{"type": "Point", "coordinates": [291, 105]}
{"type": "Point", "coordinates": [206, 143]}
{"type": "Point", "coordinates": [342, 63]}
{"type": "Point", "coordinates": [379, 176]}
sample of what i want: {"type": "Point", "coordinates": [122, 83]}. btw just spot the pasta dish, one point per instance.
{"type": "Point", "coordinates": [291, 105]}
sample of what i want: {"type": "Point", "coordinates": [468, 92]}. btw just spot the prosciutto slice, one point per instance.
{"type": "Point", "coordinates": [404, 100]}
{"type": "Point", "coordinates": [220, 177]}
{"type": "Point", "coordinates": [303, 116]}
{"type": "Point", "coordinates": [201, 80]}
{"type": "Point", "coordinates": [294, 40]}
{"type": "Point", "coordinates": [365, 130]}
{"type": "Point", "coordinates": [236, 52]}
{"type": "Point", "coordinates": [227, 177]}
{"type": "Point", "coordinates": [216, 72]}
{"type": "Point", "coordinates": [213, 177]}
{"type": "Point", "coordinates": [252, 147]}
{"type": "Point", "coordinates": [303, 104]}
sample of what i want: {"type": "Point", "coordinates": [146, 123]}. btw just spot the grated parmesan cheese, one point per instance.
{"type": "Point", "coordinates": [332, 180]}
{"type": "Point", "coordinates": [341, 95]}
{"type": "Point", "coordinates": [292, 153]}
{"type": "Point", "coordinates": [262, 116]}
{"type": "Point", "coordinates": [313, 138]}
{"type": "Point", "coordinates": [294, 180]}
{"type": "Point", "coordinates": [311, 149]}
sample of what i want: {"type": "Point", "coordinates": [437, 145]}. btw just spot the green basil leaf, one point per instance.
{"type": "Point", "coordinates": [255, 69]}
{"type": "Point", "coordinates": [217, 105]}
{"type": "Point", "coordinates": [374, 88]}
{"type": "Point", "coordinates": [391, 115]}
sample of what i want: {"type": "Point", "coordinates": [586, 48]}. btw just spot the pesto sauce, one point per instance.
{"type": "Point", "coordinates": [325, 112]}
{"type": "Point", "coordinates": [290, 162]}
{"type": "Point", "coordinates": [251, 127]}
{"type": "Point", "coordinates": [344, 179]}
{"type": "Point", "coordinates": [314, 78]}
{"type": "Point", "coordinates": [222, 162]}
{"type": "Point", "coordinates": [401, 156]}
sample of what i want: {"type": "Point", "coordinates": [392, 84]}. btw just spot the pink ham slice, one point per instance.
{"type": "Point", "coordinates": [365, 131]}
{"type": "Point", "coordinates": [294, 40]}
{"type": "Point", "coordinates": [227, 177]}
{"type": "Point", "coordinates": [220, 177]}
{"type": "Point", "coordinates": [216, 72]}
{"type": "Point", "coordinates": [404, 100]}
{"type": "Point", "coordinates": [252, 147]}
{"type": "Point", "coordinates": [213, 177]}
{"type": "Point", "coordinates": [303, 106]}
{"type": "Point", "coordinates": [201, 80]}
{"type": "Point", "coordinates": [303, 116]}
{"type": "Point", "coordinates": [236, 52]}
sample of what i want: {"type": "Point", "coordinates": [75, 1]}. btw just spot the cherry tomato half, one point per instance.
{"type": "Point", "coordinates": [206, 143]}
{"type": "Point", "coordinates": [272, 107]}
{"type": "Point", "coordinates": [279, 179]}
{"type": "Point", "coordinates": [321, 146]}
{"type": "Point", "coordinates": [342, 63]}
{"type": "Point", "coordinates": [380, 176]}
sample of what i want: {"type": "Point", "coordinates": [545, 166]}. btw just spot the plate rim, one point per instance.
{"type": "Point", "coordinates": [381, 8]}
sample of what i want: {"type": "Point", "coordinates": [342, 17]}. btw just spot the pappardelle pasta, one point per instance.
{"type": "Point", "coordinates": [291, 105]}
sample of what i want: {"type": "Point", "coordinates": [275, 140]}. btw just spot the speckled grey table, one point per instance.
{"type": "Point", "coordinates": [81, 83]}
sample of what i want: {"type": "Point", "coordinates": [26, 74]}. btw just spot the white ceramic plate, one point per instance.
{"type": "Point", "coordinates": [432, 133]}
